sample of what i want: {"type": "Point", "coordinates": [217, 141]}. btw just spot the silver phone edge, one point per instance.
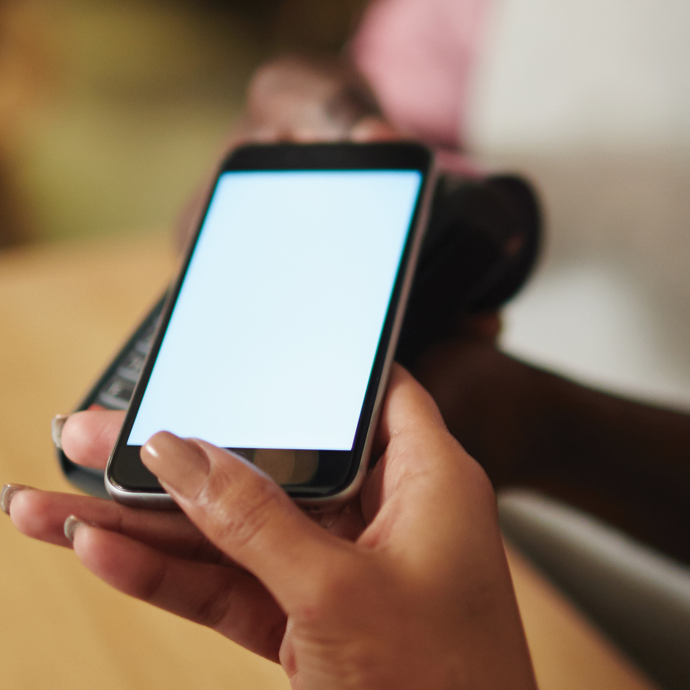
{"type": "Point", "coordinates": [140, 499]}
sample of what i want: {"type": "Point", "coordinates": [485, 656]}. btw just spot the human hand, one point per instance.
{"type": "Point", "coordinates": [421, 598]}
{"type": "Point", "coordinates": [297, 98]}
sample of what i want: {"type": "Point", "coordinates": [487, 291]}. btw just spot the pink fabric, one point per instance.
{"type": "Point", "coordinates": [418, 56]}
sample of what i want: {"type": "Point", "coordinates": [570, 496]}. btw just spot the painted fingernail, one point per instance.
{"type": "Point", "coordinates": [8, 491]}
{"type": "Point", "coordinates": [71, 525]}
{"type": "Point", "coordinates": [57, 424]}
{"type": "Point", "coordinates": [179, 463]}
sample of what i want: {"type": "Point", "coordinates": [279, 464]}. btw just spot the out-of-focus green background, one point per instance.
{"type": "Point", "coordinates": [112, 111]}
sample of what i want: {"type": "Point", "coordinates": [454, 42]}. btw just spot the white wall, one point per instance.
{"type": "Point", "coordinates": [572, 73]}
{"type": "Point", "coordinates": [591, 98]}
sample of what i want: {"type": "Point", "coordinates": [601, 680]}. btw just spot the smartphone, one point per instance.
{"type": "Point", "coordinates": [482, 243]}
{"type": "Point", "coordinates": [277, 338]}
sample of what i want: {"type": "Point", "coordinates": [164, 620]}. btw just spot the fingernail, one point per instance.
{"type": "Point", "coordinates": [179, 463]}
{"type": "Point", "coordinates": [8, 491]}
{"type": "Point", "coordinates": [57, 424]}
{"type": "Point", "coordinates": [71, 525]}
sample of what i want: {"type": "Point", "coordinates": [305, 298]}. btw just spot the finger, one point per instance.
{"type": "Point", "coordinates": [409, 432]}
{"type": "Point", "coordinates": [42, 514]}
{"type": "Point", "coordinates": [423, 468]}
{"type": "Point", "coordinates": [408, 410]}
{"type": "Point", "coordinates": [88, 437]}
{"type": "Point", "coordinates": [246, 514]}
{"type": "Point", "coordinates": [226, 599]}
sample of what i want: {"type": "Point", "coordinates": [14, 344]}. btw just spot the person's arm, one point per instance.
{"type": "Point", "coordinates": [624, 461]}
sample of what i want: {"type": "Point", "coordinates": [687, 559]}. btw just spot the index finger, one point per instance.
{"type": "Point", "coordinates": [246, 515]}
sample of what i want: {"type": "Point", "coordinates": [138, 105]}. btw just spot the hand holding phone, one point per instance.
{"type": "Point", "coordinates": [417, 593]}
{"type": "Point", "coordinates": [277, 339]}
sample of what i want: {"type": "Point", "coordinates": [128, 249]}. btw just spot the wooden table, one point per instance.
{"type": "Point", "coordinates": [63, 311]}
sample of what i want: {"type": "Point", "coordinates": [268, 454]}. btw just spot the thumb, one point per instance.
{"type": "Point", "coordinates": [244, 513]}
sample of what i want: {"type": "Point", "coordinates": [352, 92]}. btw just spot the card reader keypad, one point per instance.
{"type": "Point", "coordinates": [116, 390]}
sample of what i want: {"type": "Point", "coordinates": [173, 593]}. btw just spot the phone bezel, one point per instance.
{"type": "Point", "coordinates": [126, 478]}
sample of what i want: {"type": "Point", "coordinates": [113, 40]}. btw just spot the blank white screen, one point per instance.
{"type": "Point", "coordinates": [274, 333]}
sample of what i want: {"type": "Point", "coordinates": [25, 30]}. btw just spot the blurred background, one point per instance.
{"type": "Point", "coordinates": [592, 100]}
{"type": "Point", "coordinates": [113, 111]}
